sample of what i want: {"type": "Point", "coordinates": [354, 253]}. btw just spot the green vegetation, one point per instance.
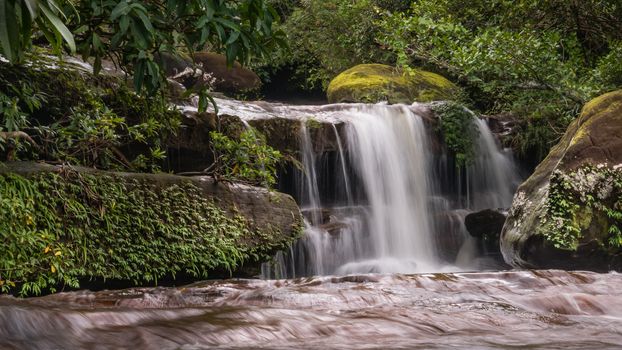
{"type": "Point", "coordinates": [456, 125]}
{"type": "Point", "coordinates": [64, 115]}
{"type": "Point", "coordinates": [536, 61]}
{"type": "Point", "coordinates": [582, 205]}
{"type": "Point", "coordinates": [58, 228]}
{"type": "Point", "coordinates": [248, 159]}
{"type": "Point", "coordinates": [325, 38]}
{"type": "Point", "coordinates": [134, 33]}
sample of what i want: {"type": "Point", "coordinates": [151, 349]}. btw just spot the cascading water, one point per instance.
{"type": "Point", "coordinates": [493, 175]}
{"type": "Point", "coordinates": [397, 216]}
{"type": "Point", "coordinates": [388, 146]}
{"type": "Point", "coordinates": [387, 197]}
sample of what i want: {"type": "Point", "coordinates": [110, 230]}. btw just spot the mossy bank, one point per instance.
{"type": "Point", "coordinates": [63, 227]}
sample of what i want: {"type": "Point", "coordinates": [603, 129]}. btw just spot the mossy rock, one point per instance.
{"type": "Point", "coordinates": [61, 225]}
{"type": "Point", "coordinates": [371, 83]}
{"type": "Point", "coordinates": [590, 150]}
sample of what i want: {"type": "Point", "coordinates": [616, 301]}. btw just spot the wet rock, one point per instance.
{"type": "Point", "coordinates": [485, 224]}
{"type": "Point", "coordinates": [591, 147]}
{"type": "Point", "coordinates": [372, 83]}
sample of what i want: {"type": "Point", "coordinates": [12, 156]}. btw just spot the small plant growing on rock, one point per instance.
{"type": "Point", "coordinates": [587, 200]}
{"type": "Point", "coordinates": [248, 159]}
{"type": "Point", "coordinates": [458, 130]}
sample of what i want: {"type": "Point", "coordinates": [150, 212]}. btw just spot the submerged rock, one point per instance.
{"type": "Point", "coordinates": [566, 214]}
{"type": "Point", "coordinates": [370, 83]}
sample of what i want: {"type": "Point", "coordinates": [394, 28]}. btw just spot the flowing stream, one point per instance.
{"type": "Point", "coordinates": [485, 310]}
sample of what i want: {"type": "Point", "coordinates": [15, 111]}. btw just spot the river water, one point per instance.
{"type": "Point", "coordinates": [484, 310]}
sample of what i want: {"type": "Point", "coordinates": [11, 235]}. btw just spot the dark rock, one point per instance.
{"type": "Point", "coordinates": [486, 223]}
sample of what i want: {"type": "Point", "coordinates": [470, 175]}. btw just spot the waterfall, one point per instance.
{"type": "Point", "coordinates": [310, 193]}
{"type": "Point", "coordinates": [493, 175]}
{"type": "Point", "coordinates": [342, 163]}
{"type": "Point", "coordinates": [388, 146]}
{"type": "Point", "coordinates": [386, 197]}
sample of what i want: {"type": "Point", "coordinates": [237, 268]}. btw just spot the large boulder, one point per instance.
{"type": "Point", "coordinates": [370, 83]}
{"type": "Point", "coordinates": [568, 214]}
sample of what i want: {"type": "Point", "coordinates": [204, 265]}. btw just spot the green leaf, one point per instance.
{"type": "Point", "coordinates": [59, 27]}
{"type": "Point", "coordinates": [121, 9]}
{"type": "Point", "coordinates": [8, 35]}
{"type": "Point", "coordinates": [233, 38]}
{"type": "Point", "coordinates": [124, 23]}
{"type": "Point", "coordinates": [144, 19]}
{"type": "Point", "coordinates": [33, 7]}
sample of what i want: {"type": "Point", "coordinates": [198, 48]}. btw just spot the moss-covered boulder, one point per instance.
{"type": "Point", "coordinates": [370, 83]}
{"type": "Point", "coordinates": [66, 226]}
{"type": "Point", "coordinates": [568, 214]}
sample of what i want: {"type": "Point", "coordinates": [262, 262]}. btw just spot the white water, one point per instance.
{"type": "Point", "coordinates": [493, 176]}
{"type": "Point", "coordinates": [405, 200]}
{"type": "Point", "coordinates": [403, 222]}
{"type": "Point", "coordinates": [388, 146]}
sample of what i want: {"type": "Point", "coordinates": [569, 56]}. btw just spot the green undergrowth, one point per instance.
{"type": "Point", "coordinates": [457, 127]}
{"type": "Point", "coordinates": [585, 204]}
{"type": "Point", "coordinates": [65, 114]}
{"type": "Point", "coordinates": [60, 228]}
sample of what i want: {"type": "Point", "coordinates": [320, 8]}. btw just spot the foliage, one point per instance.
{"type": "Point", "coordinates": [85, 120]}
{"type": "Point", "coordinates": [19, 17]}
{"type": "Point", "coordinates": [248, 159]}
{"type": "Point", "coordinates": [518, 56]}
{"type": "Point", "coordinates": [14, 118]}
{"type": "Point", "coordinates": [326, 38]}
{"type": "Point", "coordinates": [59, 228]}
{"type": "Point", "coordinates": [456, 124]}
{"type": "Point", "coordinates": [578, 198]}
{"type": "Point", "coordinates": [132, 33]}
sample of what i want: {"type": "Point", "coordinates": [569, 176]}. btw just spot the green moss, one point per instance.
{"type": "Point", "coordinates": [607, 101]}
{"type": "Point", "coordinates": [58, 229]}
{"type": "Point", "coordinates": [372, 83]}
{"type": "Point", "coordinates": [582, 217]}
{"type": "Point", "coordinates": [584, 205]}
{"type": "Point", "coordinates": [313, 124]}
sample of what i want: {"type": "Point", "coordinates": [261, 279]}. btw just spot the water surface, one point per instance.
{"type": "Point", "coordinates": [485, 310]}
